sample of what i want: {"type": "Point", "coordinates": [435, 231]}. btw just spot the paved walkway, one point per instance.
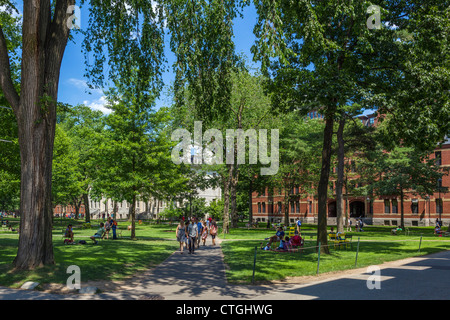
{"type": "Point", "coordinates": [201, 276]}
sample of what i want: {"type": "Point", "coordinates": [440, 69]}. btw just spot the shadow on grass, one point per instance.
{"type": "Point", "coordinates": [109, 260]}
{"type": "Point", "coordinates": [276, 266]}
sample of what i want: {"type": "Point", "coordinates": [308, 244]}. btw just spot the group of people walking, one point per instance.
{"type": "Point", "coordinates": [191, 232]}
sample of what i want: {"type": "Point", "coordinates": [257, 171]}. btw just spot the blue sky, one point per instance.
{"type": "Point", "coordinates": [72, 84]}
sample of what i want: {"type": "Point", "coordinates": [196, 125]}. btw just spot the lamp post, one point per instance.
{"type": "Point", "coordinates": [440, 200]}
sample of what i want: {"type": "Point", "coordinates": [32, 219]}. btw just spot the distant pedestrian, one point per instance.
{"type": "Point", "coordinates": [213, 232]}
{"type": "Point", "coordinates": [349, 225]}
{"type": "Point", "coordinates": [186, 238]}
{"type": "Point", "coordinates": [200, 231]}
{"type": "Point", "coordinates": [299, 225]}
{"type": "Point", "coordinates": [114, 228]}
{"type": "Point", "coordinates": [181, 234]}
{"type": "Point", "coordinates": [193, 234]}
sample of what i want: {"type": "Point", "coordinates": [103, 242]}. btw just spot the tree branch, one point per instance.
{"type": "Point", "coordinates": [6, 82]}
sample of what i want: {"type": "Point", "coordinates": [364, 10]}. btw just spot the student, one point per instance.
{"type": "Point", "coordinates": [266, 248]}
{"type": "Point", "coordinates": [277, 237]}
{"type": "Point", "coordinates": [99, 233]}
{"type": "Point", "coordinates": [186, 237]}
{"type": "Point", "coordinates": [69, 232]}
{"type": "Point", "coordinates": [193, 234]}
{"type": "Point", "coordinates": [108, 226]}
{"type": "Point", "coordinates": [114, 228]}
{"type": "Point", "coordinates": [181, 234]}
{"type": "Point", "coordinates": [299, 225]}
{"type": "Point", "coordinates": [213, 232]}
{"type": "Point", "coordinates": [283, 244]}
{"type": "Point", "coordinates": [200, 231]}
{"type": "Point", "coordinates": [204, 235]}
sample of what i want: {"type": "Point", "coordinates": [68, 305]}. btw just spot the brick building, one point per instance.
{"type": "Point", "coordinates": [418, 211]}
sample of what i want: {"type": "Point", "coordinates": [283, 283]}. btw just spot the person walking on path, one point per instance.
{"type": "Point", "coordinates": [181, 234]}
{"type": "Point", "coordinates": [200, 228]}
{"type": "Point", "coordinates": [186, 233]}
{"type": "Point", "coordinates": [193, 234]}
{"type": "Point", "coordinates": [213, 232]}
{"type": "Point", "coordinates": [299, 225]}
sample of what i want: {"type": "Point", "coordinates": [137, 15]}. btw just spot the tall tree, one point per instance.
{"type": "Point", "coordinates": [328, 55]}
{"type": "Point", "coordinates": [45, 33]}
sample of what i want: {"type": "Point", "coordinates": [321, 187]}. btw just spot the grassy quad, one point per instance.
{"type": "Point", "coordinates": [109, 260]}
{"type": "Point", "coordinates": [122, 258]}
{"type": "Point", "coordinates": [377, 245]}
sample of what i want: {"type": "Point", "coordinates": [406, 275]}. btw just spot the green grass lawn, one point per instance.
{"type": "Point", "coordinates": [111, 259]}
{"type": "Point", "coordinates": [118, 259]}
{"type": "Point", "coordinates": [377, 246]}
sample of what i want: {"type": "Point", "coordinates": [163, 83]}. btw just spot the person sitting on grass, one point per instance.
{"type": "Point", "coordinates": [99, 233]}
{"type": "Point", "coordinates": [437, 230]}
{"type": "Point", "coordinates": [296, 241]}
{"type": "Point", "coordinates": [284, 245]}
{"type": "Point", "coordinates": [266, 248]}
{"type": "Point", "coordinates": [277, 237]}
{"type": "Point", "coordinates": [69, 233]}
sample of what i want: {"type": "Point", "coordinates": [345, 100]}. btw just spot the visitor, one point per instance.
{"type": "Point", "coordinates": [193, 234]}
{"type": "Point", "coordinates": [437, 229]}
{"type": "Point", "coordinates": [204, 235]}
{"type": "Point", "coordinates": [277, 237]}
{"type": "Point", "coordinates": [361, 225]}
{"type": "Point", "coordinates": [349, 225]}
{"type": "Point", "coordinates": [69, 233]}
{"type": "Point", "coordinates": [99, 233]}
{"type": "Point", "coordinates": [186, 238]}
{"type": "Point", "coordinates": [114, 228]}
{"type": "Point", "coordinates": [108, 226]}
{"type": "Point", "coordinates": [266, 248]}
{"type": "Point", "coordinates": [181, 234]}
{"type": "Point", "coordinates": [299, 225]}
{"type": "Point", "coordinates": [200, 231]}
{"type": "Point", "coordinates": [213, 232]}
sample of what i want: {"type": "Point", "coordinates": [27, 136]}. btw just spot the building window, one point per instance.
{"type": "Point", "coordinates": [394, 206]}
{"type": "Point", "coordinates": [279, 206]}
{"type": "Point", "coordinates": [292, 207]}
{"type": "Point", "coordinates": [297, 206]}
{"type": "Point", "coordinates": [437, 156]}
{"type": "Point", "coordinates": [415, 206]}
{"type": "Point", "coordinates": [259, 207]}
{"type": "Point", "coordinates": [263, 207]}
{"type": "Point", "coordinates": [387, 207]}
{"type": "Point", "coordinates": [310, 206]}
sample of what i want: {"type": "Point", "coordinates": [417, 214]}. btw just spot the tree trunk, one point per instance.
{"type": "Point", "coordinates": [402, 219]}
{"type": "Point", "coordinates": [250, 202]}
{"type": "Point", "coordinates": [340, 178]}
{"type": "Point", "coordinates": [323, 183]}
{"type": "Point", "coordinates": [87, 211]}
{"type": "Point", "coordinates": [43, 44]}
{"type": "Point", "coordinates": [133, 218]}
{"type": "Point", "coordinates": [226, 199]}
{"type": "Point", "coordinates": [233, 197]}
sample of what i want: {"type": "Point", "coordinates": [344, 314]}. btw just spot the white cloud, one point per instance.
{"type": "Point", "coordinates": [98, 104]}
{"type": "Point", "coordinates": [81, 84]}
